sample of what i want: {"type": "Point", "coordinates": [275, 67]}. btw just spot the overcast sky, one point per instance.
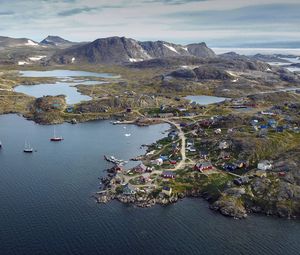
{"type": "Point", "coordinates": [218, 22]}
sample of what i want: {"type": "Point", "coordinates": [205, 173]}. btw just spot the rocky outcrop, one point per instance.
{"type": "Point", "coordinates": [117, 50]}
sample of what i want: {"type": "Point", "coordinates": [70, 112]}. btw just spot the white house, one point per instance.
{"type": "Point", "coordinates": [264, 165]}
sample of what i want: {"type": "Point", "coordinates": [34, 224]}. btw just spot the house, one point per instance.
{"type": "Point", "coordinates": [264, 165]}
{"type": "Point", "coordinates": [218, 131]}
{"type": "Point", "coordinates": [191, 149]}
{"type": "Point", "coordinates": [158, 162]}
{"type": "Point", "coordinates": [173, 135]}
{"type": "Point", "coordinates": [128, 110]}
{"type": "Point", "coordinates": [282, 174]}
{"type": "Point", "coordinates": [141, 168]}
{"type": "Point", "coordinates": [190, 143]}
{"type": "Point", "coordinates": [173, 162]}
{"type": "Point", "coordinates": [229, 167]}
{"type": "Point", "coordinates": [70, 109]}
{"type": "Point", "coordinates": [203, 166]}
{"type": "Point", "coordinates": [254, 122]}
{"type": "Point", "coordinates": [223, 145]}
{"type": "Point", "coordinates": [241, 164]}
{"type": "Point", "coordinates": [204, 155]}
{"type": "Point", "coordinates": [168, 174]}
{"type": "Point", "coordinates": [144, 178]}
{"type": "Point", "coordinates": [164, 157]}
{"type": "Point", "coordinates": [272, 123]}
{"type": "Point", "coordinates": [241, 180]}
{"type": "Point", "coordinates": [165, 115]}
{"type": "Point", "coordinates": [279, 129]}
{"type": "Point", "coordinates": [128, 189]}
{"type": "Point", "coordinates": [167, 190]}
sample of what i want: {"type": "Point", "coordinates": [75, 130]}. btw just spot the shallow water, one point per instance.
{"type": "Point", "coordinates": [46, 204]}
{"type": "Point", "coordinates": [65, 86]}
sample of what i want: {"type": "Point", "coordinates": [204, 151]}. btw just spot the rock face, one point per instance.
{"type": "Point", "coordinates": [55, 41]}
{"type": "Point", "coordinates": [116, 50]}
{"type": "Point", "coordinates": [200, 50]}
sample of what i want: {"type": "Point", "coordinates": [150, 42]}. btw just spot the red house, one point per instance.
{"type": "Point", "coordinates": [168, 174]}
{"type": "Point", "coordinates": [203, 166]}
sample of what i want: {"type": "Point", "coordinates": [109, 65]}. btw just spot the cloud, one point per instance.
{"type": "Point", "coordinates": [248, 16]}
{"type": "Point", "coordinates": [76, 11]}
{"type": "Point", "coordinates": [6, 13]}
{"type": "Point", "coordinates": [173, 2]}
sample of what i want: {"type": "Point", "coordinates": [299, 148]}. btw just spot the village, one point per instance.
{"type": "Point", "coordinates": [225, 158]}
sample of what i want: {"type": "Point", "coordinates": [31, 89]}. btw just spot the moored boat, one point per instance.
{"type": "Point", "coordinates": [27, 148]}
{"type": "Point", "coordinates": [56, 138]}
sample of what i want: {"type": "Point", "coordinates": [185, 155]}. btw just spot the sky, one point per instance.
{"type": "Point", "coordinates": [216, 22]}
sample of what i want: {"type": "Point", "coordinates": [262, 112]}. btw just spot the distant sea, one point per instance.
{"type": "Point", "coordinates": [253, 51]}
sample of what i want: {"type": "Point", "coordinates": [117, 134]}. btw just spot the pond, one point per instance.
{"type": "Point", "coordinates": [206, 100]}
{"type": "Point", "coordinates": [68, 79]}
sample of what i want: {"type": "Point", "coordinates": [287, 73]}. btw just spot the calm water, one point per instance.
{"type": "Point", "coordinates": [46, 206]}
{"type": "Point", "coordinates": [206, 100]}
{"type": "Point", "coordinates": [65, 86]}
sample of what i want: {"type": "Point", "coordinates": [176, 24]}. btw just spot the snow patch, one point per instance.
{"type": "Point", "coordinates": [31, 43]}
{"type": "Point", "coordinates": [135, 59]}
{"type": "Point", "coordinates": [36, 58]}
{"type": "Point", "coordinates": [185, 48]}
{"type": "Point", "coordinates": [22, 63]}
{"type": "Point", "coordinates": [171, 48]}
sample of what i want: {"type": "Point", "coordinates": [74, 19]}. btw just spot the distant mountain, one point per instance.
{"type": "Point", "coordinates": [16, 42]}
{"type": "Point", "coordinates": [116, 50]}
{"type": "Point", "coordinates": [56, 41]}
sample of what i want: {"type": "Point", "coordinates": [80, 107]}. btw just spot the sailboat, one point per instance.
{"type": "Point", "coordinates": [56, 138]}
{"type": "Point", "coordinates": [27, 148]}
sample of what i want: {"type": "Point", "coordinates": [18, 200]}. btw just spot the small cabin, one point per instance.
{"type": "Point", "coordinates": [167, 190]}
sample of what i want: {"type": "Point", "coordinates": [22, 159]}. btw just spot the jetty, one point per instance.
{"type": "Point", "coordinates": [114, 160]}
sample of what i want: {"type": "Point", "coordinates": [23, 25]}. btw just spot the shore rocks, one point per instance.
{"type": "Point", "coordinates": [230, 206]}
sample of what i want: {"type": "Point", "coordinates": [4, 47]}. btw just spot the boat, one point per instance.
{"type": "Point", "coordinates": [56, 138]}
{"type": "Point", "coordinates": [27, 148]}
{"type": "Point", "coordinates": [0, 145]}
{"type": "Point", "coordinates": [127, 135]}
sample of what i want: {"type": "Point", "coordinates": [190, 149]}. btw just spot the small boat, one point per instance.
{"type": "Point", "coordinates": [0, 145]}
{"type": "Point", "coordinates": [127, 135]}
{"type": "Point", "coordinates": [56, 138]}
{"type": "Point", "coordinates": [28, 148]}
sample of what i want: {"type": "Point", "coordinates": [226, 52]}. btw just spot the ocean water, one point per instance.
{"type": "Point", "coordinates": [46, 204]}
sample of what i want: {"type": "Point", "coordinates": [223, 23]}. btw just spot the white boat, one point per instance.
{"type": "Point", "coordinates": [127, 135]}
{"type": "Point", "coordinates": [0, 145]}
{"type": "Point", "coordinates": [27, 148]}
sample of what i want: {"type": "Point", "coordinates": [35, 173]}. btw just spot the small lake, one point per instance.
{"type": "Point", "coordinates": [68, 79]}
{"type": "Point", "coordinates": [206, 100]}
